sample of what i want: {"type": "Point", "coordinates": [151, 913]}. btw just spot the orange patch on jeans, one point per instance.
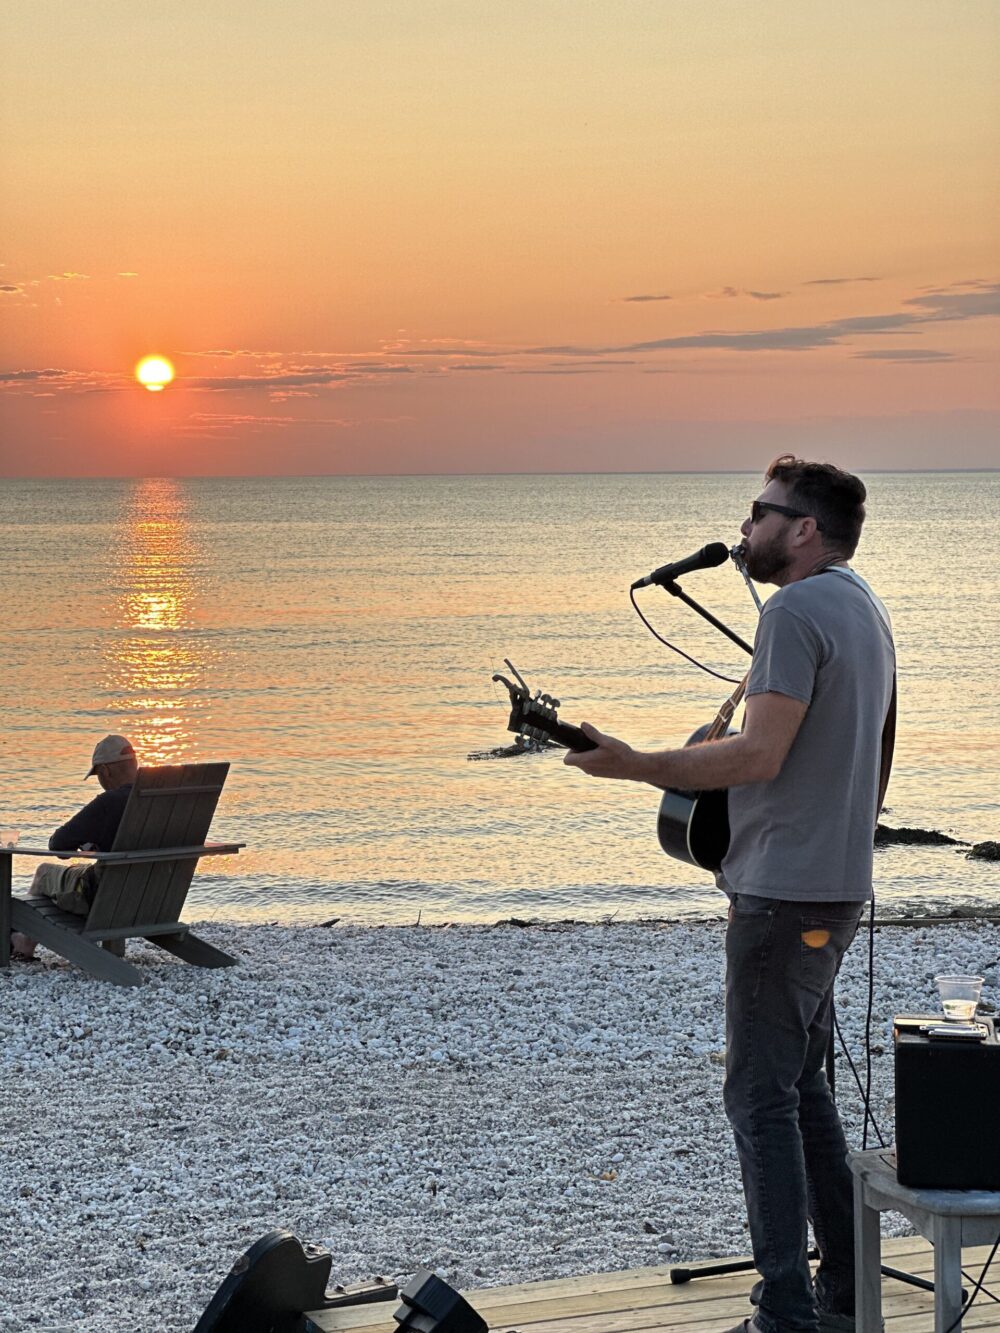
{"type": "Point", "coordinates": [816, 939]}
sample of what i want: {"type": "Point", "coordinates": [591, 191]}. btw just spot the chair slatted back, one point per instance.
{"type": "Point", "coordinates": [170, 806]}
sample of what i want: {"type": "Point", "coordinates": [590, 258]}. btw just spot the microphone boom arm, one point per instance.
{"type": "Point", "coordinates": [675, 590]}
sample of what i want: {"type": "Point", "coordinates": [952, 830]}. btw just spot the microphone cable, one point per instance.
{"type": "Point", "coordinates": [730, 680]}
{"type": "Point", "coordinates": [869, 1113]}
{"type": "Point", "coordinates": [977, 1288]}
{"type": "Point", "coordinates": [865, 1089]}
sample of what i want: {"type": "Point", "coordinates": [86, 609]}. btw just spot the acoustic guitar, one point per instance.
{"type": "Point", "coordinates": [692, 826]}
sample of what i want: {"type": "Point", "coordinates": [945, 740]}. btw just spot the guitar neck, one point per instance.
{"type": "Point", "coordinates": [572, 738]}
{"type": "Point", "coordinates": [547, 724]}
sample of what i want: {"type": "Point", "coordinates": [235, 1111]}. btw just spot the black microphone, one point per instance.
{"type": "Point", "coordinates": [715, 553]}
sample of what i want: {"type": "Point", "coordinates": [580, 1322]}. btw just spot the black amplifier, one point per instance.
{"type": "Point", "coordinates": [947, 1104]}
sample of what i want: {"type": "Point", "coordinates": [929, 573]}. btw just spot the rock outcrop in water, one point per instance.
{"type": "Point", "coordinates": [516, 748]}
{"type": "Point", "coordinates": [984, 851]}
{"type": "Point", "coordinates": [922, 837]}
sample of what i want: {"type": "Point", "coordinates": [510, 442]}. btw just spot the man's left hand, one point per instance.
{"type": "Point", "coordinates": [612, 758]}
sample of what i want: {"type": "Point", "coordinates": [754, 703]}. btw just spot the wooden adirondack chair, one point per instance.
{"type": "Point", "coordinates": [143, 883]}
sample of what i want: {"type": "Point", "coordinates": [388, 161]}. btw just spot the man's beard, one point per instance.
{"type": "Point", "coordinates": [764, 562]}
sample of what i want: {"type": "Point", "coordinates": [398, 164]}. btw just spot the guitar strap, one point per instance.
{"type": "Point", "coordinates": [889, 726]}
{"type": "Point", "coordinates": [888, 745]}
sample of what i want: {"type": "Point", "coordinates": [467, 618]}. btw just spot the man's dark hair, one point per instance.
{"type": "Point", "coordinates": [835, 499]}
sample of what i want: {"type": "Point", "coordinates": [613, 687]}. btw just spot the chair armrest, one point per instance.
{"type": "Point", "coordinates": [166, 853]}
{"type": "Point", "coordinates": [131, 858]}
{"type": "Point", "coordinates": [44, 851]}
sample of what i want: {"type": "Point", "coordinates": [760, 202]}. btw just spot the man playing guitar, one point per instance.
{"type": "Point", "coordinates": [806, 777]}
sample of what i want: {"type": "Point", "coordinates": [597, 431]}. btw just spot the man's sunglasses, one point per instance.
{"type": "Point", "coordinates": [761, 507]}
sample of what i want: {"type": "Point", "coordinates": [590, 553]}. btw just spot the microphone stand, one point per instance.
{"type": "Point", "coordinates": [675, 590]}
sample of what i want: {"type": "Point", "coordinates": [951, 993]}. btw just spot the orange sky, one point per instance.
{"type": "Point", "coordinates": [554, 235]}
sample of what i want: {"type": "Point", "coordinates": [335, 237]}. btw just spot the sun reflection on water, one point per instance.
{"type": "Point", "coordinates": [157, 663]}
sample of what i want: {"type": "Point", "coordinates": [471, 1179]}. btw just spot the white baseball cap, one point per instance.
{"type": "Point", "coordinates": [110, 751]}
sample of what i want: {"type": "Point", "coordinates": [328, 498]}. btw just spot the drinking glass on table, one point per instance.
{"type": "Point", "coordinates": [959, 997]}
{"type": "Point", "coordinates": [9, 837]}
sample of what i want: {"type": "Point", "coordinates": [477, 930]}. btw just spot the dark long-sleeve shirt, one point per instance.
{"type": "Point", "coordinates": [97, 823]}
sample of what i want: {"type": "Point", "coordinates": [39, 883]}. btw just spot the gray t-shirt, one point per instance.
{"type": "Point", "coordinates": [807, 835]}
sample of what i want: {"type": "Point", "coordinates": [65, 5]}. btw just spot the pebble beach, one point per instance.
{"type": "Point", "coordinates": [501, 1103]}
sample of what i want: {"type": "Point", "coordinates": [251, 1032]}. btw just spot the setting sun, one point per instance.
{"type": "Point", "coordinates": [154, 372]}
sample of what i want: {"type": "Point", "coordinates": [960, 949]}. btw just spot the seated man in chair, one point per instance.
{"type": "Point", "coordinates": [91, 829]}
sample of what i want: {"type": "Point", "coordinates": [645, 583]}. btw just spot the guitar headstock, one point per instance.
{"type": "Point", "coordinates": [533, 718]}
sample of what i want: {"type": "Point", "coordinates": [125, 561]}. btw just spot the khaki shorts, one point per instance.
{"type": "Point", "coordinates": [63, 884]}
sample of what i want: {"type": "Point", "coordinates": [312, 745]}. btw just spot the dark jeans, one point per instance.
{"type": "Point", "coordinates": [782, 959]}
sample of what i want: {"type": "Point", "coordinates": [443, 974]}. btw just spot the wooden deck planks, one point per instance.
{"type": "Point", "coordinates": [643, 1300]}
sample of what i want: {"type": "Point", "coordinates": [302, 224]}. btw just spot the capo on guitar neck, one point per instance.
{"type": "Point", "coordinates": [513, 690]}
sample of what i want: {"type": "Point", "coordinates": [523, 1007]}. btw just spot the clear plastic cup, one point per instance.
{"type": "Point", "coordinates": [959, 997]}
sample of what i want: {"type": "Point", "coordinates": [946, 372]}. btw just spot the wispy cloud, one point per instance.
{"type": "Point", "coordinates": [68, 277]}
{"type": "Point", "coordinates": [281, 379]}
{"type": "Point", "coordinates": [608, 361]}
{"type": "Point", "coordinates": [932, 308]}
{"type": "Point", "coordinates": [285, 375]}
{"type": "Point", "coordinates": [960, 284]}
{"type": "Point", "coordinates": [252, 421]}
{"type": "Point", "coordinates": [906, 355]}
{"type": "Point", "coordinates": [429, 345]}
{"type": "Point", "coordinates": [554, 370]}
{"type": "Point", "coordinates": [733, 293]}
{"type": "Point", "coordinates": [65, 381]}
{"type": "Point", "coordinates": [628, 300]}
{"type": "Point", "coordinates": [235, 420]}
{"type": "Point", "coordinates": [226, 352]}
{"type": "Point", "coordinates": [212, 425]}
{"type": "Point", "coordinates": [454, 350]}
{"type": "Point", "coordinates": [971, 302]}
{"type": "Point", "coordinates": [304, 378]}
{"type": "Point", "coordinates": [836, 282]}
{"type": "Point", "coordinates": [23, 376]}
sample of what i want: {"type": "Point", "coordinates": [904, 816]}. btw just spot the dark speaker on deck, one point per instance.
{"type": "Point", "coordinates": [431, 1306]}
{"type": "Point", "coordinates": [947, 1100]}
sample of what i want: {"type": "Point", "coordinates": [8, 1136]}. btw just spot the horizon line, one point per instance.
{"type": "Point", "coordinates": [390, 476]}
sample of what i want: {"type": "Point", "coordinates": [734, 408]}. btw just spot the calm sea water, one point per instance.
{"type": "Point", "coordinates": [334, 639]}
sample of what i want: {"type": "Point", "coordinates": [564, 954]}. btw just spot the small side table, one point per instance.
{"type": "Point", "coordinates": [949, 1219]}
